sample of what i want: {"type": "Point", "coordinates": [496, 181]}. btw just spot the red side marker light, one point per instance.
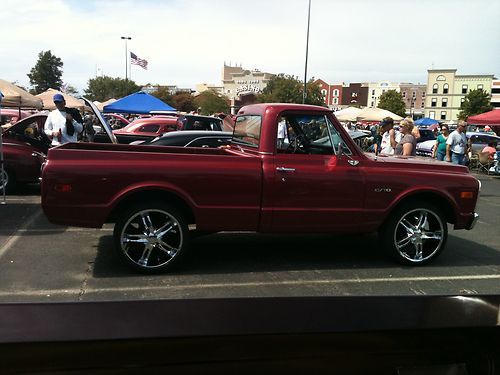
{"type": "Point", "coordinates": [466, 195]}
{"type": "Point", "coordinates": [63, 188]}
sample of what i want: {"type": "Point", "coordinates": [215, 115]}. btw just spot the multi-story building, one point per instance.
{"type": "Point", "coordinates": [376, 89]}
{"type": "Point", "coordinates": [446, 91]}
{"type": "Point", "coordinates": [495, 94]}
{"type": "Point", "coordinates": [242, 85]}
{"type": "Point", "coordinates": [414, 98]}
{"type": "Point", "coordinates": [355, 94]}
{"type": "Point", "coordinates": [331, 93]}
{"type": "Point", "coordinates": [209, 86]}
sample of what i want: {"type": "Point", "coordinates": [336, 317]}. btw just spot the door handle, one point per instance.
{"type": "Point", "coordinates": [284, 169]}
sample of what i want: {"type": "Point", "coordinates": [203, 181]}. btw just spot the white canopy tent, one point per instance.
{"type": "Point", "coordinates": [14, 96]}
{"type": "Point", "coordinates": [376, 114]}
{"type": "Point", "coordinates": [48, 102]}
{"type": "Point", "coordinates": [347, 114]}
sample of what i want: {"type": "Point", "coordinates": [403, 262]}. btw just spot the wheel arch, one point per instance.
{"type": "Point", "coordinates": [152, 194]}
{"type": "Point", "coordinates": [444, 203]}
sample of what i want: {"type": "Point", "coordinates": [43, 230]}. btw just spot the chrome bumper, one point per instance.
{"type": "Point", "coordinates": [473, 222]}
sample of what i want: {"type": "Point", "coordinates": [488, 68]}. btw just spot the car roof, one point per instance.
{"type": "Point", "coordinates": [199, 133]}
{"type": "Point", "coordinates": [203, 117]}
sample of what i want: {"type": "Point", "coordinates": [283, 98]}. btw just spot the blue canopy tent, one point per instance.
{"type": "Point", "coordinates": [139, 102]}
{"type": "Point", "coordinates": [426, 121]}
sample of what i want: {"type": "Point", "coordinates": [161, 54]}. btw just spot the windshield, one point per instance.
{"type": "Point", "coordinates": [247, 130]}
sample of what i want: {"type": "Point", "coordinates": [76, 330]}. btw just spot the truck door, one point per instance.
{"type": "Point", "coordinates": [314, 190]}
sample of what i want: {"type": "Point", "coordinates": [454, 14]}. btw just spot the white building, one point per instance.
{"type": "Point", "coordinates": [376, 89]}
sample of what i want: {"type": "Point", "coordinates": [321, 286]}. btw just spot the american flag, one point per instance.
{"type": "Point", "coordinates": [137, 61]}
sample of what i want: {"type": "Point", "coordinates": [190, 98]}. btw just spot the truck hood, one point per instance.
{"type": "Point", "coordinates": [417, 162]}
{"type": "Point", "coordinates": [101, 119]}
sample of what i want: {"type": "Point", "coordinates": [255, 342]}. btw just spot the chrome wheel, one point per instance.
{"type": "Point", "coordinates": [419, 235]}
{"type": "Point", "coordinates": [4, 180]}
{"type": "Point", "coordinates": [151, 239]}
{"type": "Point", "coordinates": [7, 182]}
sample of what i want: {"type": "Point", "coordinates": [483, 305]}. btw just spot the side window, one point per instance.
{"type": "Point", "coordinates": [337, 139]}
{"type": "Point", "coordinates": [304, 134]}
{"type": "Point", "coordinates": [206, 142]}
{"type": "Point", "coordinates": [150, 128]}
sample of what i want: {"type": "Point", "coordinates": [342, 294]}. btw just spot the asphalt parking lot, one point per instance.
{"type": "Point", "coordinates": [43, 262]}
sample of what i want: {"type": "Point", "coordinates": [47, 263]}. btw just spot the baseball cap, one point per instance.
{"type": "Point", "coordinates": [58, 98]}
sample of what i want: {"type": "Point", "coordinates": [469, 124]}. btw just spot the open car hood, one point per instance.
{"type": "Point", "coordinates": [102, 121]}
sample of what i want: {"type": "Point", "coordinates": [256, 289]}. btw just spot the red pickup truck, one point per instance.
{"type": "Point", "coordinates": [312, 179]}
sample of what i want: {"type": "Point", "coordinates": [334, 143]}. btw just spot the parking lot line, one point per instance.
{"type": "Point", "coordinates": [59, 292]}
{"type": "Point", "coordinates": [18, 234]}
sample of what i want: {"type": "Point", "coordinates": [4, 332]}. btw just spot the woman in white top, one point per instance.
{"type": "Point", "coordinates": [388, 137]}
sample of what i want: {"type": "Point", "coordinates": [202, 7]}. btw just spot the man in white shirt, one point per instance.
{"type": "Point", "coordinates": [58, 121]}
{"type": "Point", "coordinates": [281, 132]}
{"type": "Point", "coordinates": [456, 145]}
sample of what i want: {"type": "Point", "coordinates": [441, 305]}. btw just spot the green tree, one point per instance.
{"type": "Point", "coordinates": [164, 95]}
{"type": "Point", "coordinates": [210, 102]}
{"type": "Point", "coordinates": [46, 73]}
{"type": "Point", "coordinates": [392, 100]}
{"type": "Point", "coordinates": [104, 88]}
{"type": "Point", "coordinates": [184, 102]}
{"type": "Point", "coordinates": [284, 88]}
{"type": "Point", "coordinates": [69, 89]}
{"type": "Point", "coordinates": [475, 103]}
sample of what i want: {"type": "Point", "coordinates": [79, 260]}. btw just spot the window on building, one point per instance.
{"type": "Point", "coordinates": [423, 94]}
{"type": "Point", "coordinates": [445, 88]}
{"type": "Point", "coordinates": [435, 88]}
{"type": "Point", "coordinates": [323, 91]}
{"type": "Point", "coordinates": [464, 89]}
{"type": "Point", "coordinates": [444, 102]}
{"type": "Point", "coordinates": [443, 115]}
{"type": "Point", "coordinates": [432, 115]}
{"type": "Point", "coordinates": [335, 92]}
{"type": "Point", "coordinates": [414, 94]}
{"type": "Point", "coordinates": [479, 87]}
{"type": "Point", "coordinates": [433, 102]}
{"type": "Point", "coordinates": [373, 92]}
{"type": "Point", "coordinates": [335, 100]}
{"type": "Point", "coordinates": [404, 94]}
{"type": "Point", "coordinates": [422, 105]}
{"type": "Point", "coordinates": [441, 78]}
{"type": "Point", "coordinates": [373, 104]}
{"type": "Point", "coordinates": [229, 91]}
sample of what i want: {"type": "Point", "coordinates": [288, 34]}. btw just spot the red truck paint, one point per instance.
{"type": "Point", "coordinates": [240, 188]}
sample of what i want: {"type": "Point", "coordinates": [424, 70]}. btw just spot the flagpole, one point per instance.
{"type": "Point", "coordinates": [126, 56]}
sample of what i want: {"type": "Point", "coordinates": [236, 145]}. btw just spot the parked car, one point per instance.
{"type": "Point", "coordinates": [190, 138]}
{"type": "Point", "coordinates": [24, 147]}
{"type": "Point", "coordinates": [9, 116]}
{"type": "Point", "coordinates": [116, 121]}
{"type": "Point", "coordinates": [477, 141]}
{"type": "Point", "coordinates": [197, 122]}
{"type": "Point", "coordinates": [142, 129]}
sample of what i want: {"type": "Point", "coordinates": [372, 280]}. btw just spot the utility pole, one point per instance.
{"type": "Point", "coordinates": [307, 53]}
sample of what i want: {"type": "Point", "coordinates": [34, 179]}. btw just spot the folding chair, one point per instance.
{"type": "Point", "coordinates": [473, 161]}
{"type": "Point", "coordinates": [484, 163]}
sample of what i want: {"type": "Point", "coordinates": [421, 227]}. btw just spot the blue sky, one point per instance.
{"type": "Point", "coordinates": [187, 41]}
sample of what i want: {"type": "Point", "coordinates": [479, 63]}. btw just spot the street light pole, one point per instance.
{"type": "Point", "coordinates": [126, 56]}
{"type": "Point", "coordinates": [307, 53]}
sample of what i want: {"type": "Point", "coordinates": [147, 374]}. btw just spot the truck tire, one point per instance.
{"type": "Point", "coordinates": [415, 233]}
{"type": "Point", "coordinates": [8, 182]}
{"type": "Point", "coordinates": [151, 237]}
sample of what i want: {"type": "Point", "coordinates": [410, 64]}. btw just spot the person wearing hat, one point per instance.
{"type": "Point", "coordinates": [60, 126]}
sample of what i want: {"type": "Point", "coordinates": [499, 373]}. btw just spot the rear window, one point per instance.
{"type": "Point", "coordinates": [247, 130]}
